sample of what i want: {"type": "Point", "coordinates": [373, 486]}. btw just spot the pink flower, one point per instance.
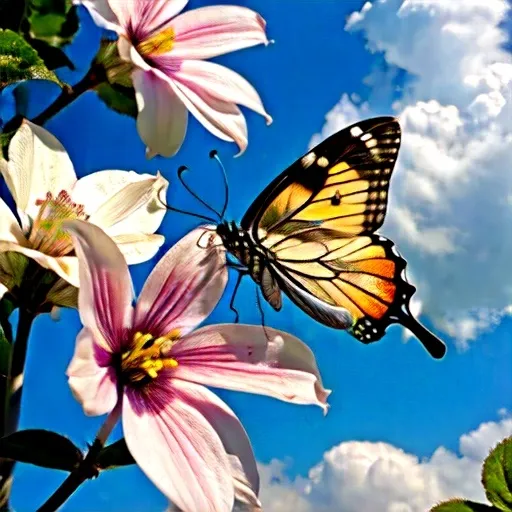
{"type": "Point", "coordinates": [170, 75]}
{"type": "Point", "coordinates": [188, 442]}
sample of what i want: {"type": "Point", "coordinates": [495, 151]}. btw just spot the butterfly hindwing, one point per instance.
{"type": "Point", "coordinates": [360, 274]}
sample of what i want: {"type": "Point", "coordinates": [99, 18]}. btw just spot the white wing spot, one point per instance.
{"type": "Point", "coordinates": [308, 159]}
{"type": "Point", "coordinates": [322, 161]}
{"type": "Point", "coordinates": [356, 131]}
{"type": "Point", "coordinates": [366, 136]}
{"type": "Point", "coordinates": [371, 143]}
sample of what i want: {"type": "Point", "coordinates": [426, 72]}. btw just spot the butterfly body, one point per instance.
{"type": "Point", "coordinates": [311, 234]}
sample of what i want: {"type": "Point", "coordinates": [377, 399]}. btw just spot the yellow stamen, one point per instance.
{"type": "Point", "coordinates": [46, 234]}
{"type": "Point", "coordinates": [145, 359]}
{"type": "Point", "coordinates": [157, 44]}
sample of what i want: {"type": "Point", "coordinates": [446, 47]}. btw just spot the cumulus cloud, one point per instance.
{"type": "Point", "coordinates": [362, 476]}
{"type": "Point", "coordinates": [450, 208]}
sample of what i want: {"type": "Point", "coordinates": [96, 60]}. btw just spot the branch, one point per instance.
{"type": "Point", "coordinates": [87, 469]}
{"type": "Point", "coordinates": [70, 93]}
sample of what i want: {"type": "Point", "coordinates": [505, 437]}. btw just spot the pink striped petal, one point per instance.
{"type": "Point", "coordinates": [105, 297]}
{"type": "Point", "coordinates": [222, 118]}
{"type": "Point", "coordinates": [241, 358]}
{"type": "Point", "coordinates": [220, 82]}
{"type": "Point", "coordinates": [94, 386]}
{"type": "Point", "coordinates": [149, 17]}
{"type": "Point", "coordinates": [183, 288]}
{"type": "Point", "coordinates": [230, 430]}
{"type": "Point", "coordinates": [215, 30]}
{"type": "Point", "coordinates": [177, 448]}
{"type": "Point", "coordinates": [162, 119]}
{"type": "Point", "coordinates": [245, 492]}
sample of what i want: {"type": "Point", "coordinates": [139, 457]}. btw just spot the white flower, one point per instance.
{"type": "Point", "coordinates": [43, 183]}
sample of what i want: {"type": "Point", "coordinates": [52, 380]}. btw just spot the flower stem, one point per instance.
{"type": "Point", "coordinates": [12, 396]}
{"type": "Point", "coordinates": [15, 377]}
{"type": "Point", "coordinates": [87, 469]}
{"type": "Point", "coordinates": [70, 93]}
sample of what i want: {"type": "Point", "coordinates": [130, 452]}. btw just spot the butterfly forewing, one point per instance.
{"type": "Point", "coordinates": [341, 184]}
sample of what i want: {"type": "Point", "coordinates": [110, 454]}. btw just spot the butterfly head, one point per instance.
{"type": "Point", "coordinates": [230, 234]}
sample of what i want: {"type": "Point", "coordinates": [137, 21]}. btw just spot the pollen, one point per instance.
{"type": "Point", "coordinates": [157, 44]}
{"type": "Point", "coordinates": [145, 358]}
{"type": "Point", "coordinates": [46, 234]}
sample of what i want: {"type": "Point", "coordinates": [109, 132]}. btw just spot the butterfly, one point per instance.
{"type": "Point", "coordinates": [311, 234]}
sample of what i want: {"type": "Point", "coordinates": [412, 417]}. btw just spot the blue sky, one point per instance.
{"type": "Point", "coordinates": [390, 391]}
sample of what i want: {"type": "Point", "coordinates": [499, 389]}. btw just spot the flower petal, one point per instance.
{"type": "Point", "coordinates": [92, 385]}
{"type": "Point", "coordinates": [105, 285]}
{"type": "Point", "coordinates": [12, 268]}
{"type": "Point", "coordinates": [138, 247]}
{"type": "Point", "coordinates": [10, 230]}
{"type": "Point", "coordinates": [214, 30]}
{"type": "Point", "coordinates": [101, 13]}
{"type": "Point", "coordinates": [230, 430]}
{"type": "Point", "coordinates": [38, 163]}
{"type": "Point", "coordinates": [220, 82]}
{"type": "Point", "coordinates": [222, 118]}
{"type": "Point", "coordinates": [184, 287]}
{"type": "Point", "coordinates": [129, 53]}
{"type": "Point", "coordinates": [241, 358]}
{"type": "Point", "coordinates": [177, 448]}
{"type": "Point", "coordinates": [152, 16]}
{"type": "Point", "coordinates": [65, 267]}
{"type": "Point", "coordinates": [245, 493]}
{"type": "Point", "coordinates": [162, 119]}
{"type": "Point", "coordinates": [62, 294]}
{"type": "Point", "coordinates": [122, 202]}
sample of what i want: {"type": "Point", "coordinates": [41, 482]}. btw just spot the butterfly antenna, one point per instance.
{"type": "Point", "coordinates": [185, 212]}
{"type": "Point", "coordinates": [181, 170]}
{"type": "Point", "coordinates": [215, 156]}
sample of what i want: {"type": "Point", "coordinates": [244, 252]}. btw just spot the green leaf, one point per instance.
{"type": "Point", "coordinates": [53, 57]}
{"type": "Point", "coordinates": [118, 98]}
{"type": "Point", "coordinates": [114, 455]}
{"type": "Point", "coordinates": [19, 61]}
{"type": "Point", "coordinates": [52, 21]}
{"type": "Point", "coordinates": [41, 448]}
{"type": "Point", "coordinates": [497, 476]}
{"type": "Point", "coordinates": [462, 506]}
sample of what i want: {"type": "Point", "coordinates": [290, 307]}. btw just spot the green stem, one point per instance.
{"type": "Point", "coordinates": [15, 377]}
{"type": "Point", "coordinates": [87, 469]}
{"type": "Point", "coordinates": [12, 397]}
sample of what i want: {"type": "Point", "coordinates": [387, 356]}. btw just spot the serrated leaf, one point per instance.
{"type": "Point", "coordinates": [497, 476]}
{"type": "Point", "coordinates": [114, 455]}
{"type": "Point", "coordinates": [118, 98]}
{"type": "Point", "coordinates": [19, 61]}
{"type": "Point", "coordinates": [42, 448]}
{"type": "Point", "coordinates": [462, 506]}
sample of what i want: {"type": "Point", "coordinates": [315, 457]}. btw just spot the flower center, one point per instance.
{"type": "Point", "coordinates": [144, 360]}
{"type": "Point", "coordinates": [157, 44]}
{"type": "Point", "coordinates": [46, 234]}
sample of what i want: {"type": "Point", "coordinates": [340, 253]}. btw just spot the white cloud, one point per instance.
{"type": "Point", "coordinates": [362, 476]}
{"type": "Point", "coordinates": [450, 208]}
